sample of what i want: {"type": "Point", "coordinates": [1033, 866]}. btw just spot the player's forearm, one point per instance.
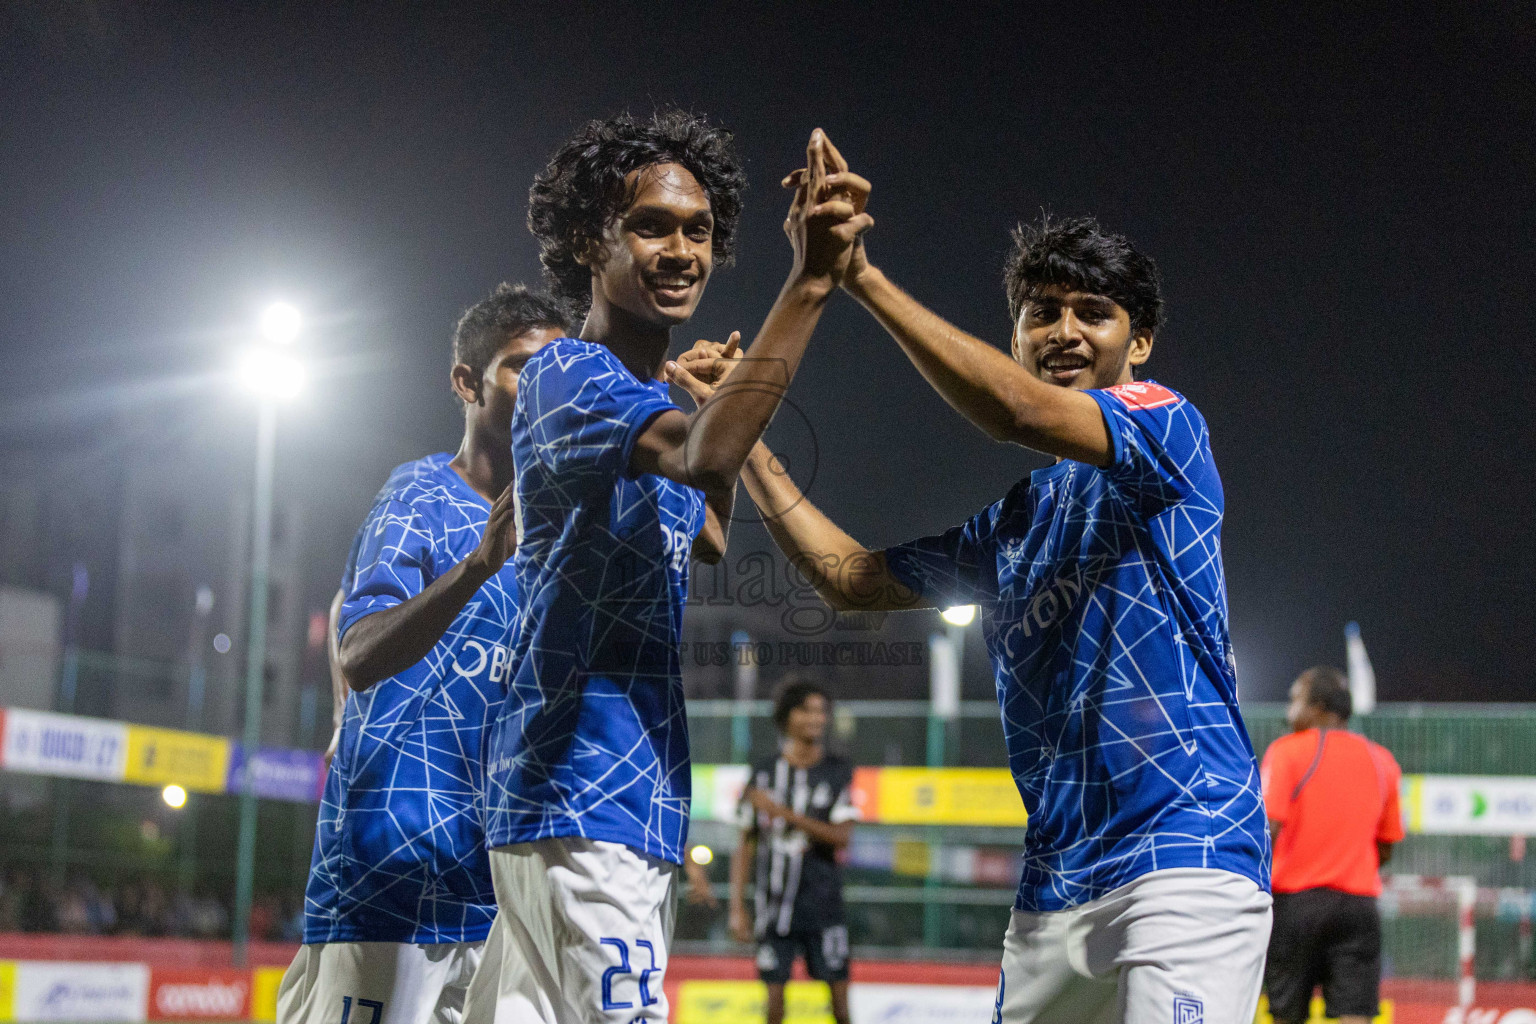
{"type": "Point", "coordinates": [388, 642]}
{"type": "Point", "coordinates": [981, 383]}
{"type": "Point", "coordinates": [847, 575]}
{"type": "Point", "coordinates": [741, 861]}
{"type": "Point", "coordinates": [824, 832]}
{"type": "Point", "coordinates": [723, 430]}
{"type": "Point", "coordinates": [709, 546]}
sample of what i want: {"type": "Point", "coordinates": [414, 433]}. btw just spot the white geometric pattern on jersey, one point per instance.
{"type": "Point", "coordinates": [400, 850]}
{"type": "Point", "coordinates": [1104, 608]}
{"type": "Point", "coordinates": [592, 739]}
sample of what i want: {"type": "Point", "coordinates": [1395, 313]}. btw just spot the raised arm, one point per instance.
{"type": "Point", "coordinates": [707, 449]}
{"type": "Point", "coordinates": [387, 642]}
{"type": "Point", "coordinates": [981, 383]}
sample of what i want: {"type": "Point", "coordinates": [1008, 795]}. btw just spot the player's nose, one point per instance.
{"type": "Point", "coordinates": [675, 246]}
{"type": "Point", "coordinates": [1068, 327]}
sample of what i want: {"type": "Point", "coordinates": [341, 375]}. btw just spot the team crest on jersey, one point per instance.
{"type": "Point", "coordinates": [1143, 395]}
{"type": "Point", "coordinates": [1188, 1010]}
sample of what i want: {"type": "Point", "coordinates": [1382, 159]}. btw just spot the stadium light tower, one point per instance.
{"type": "Point", "coordinates": [275, 375]}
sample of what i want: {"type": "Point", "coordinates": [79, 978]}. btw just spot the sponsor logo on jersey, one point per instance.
{"type": "Point", "coordinates": [478, 657]}
{"type": "Point", "coordinates": [1188, 1010]}
{"type": "Point", "coordinates": [1140, 395]}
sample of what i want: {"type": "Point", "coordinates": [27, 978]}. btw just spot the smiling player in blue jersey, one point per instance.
{"type": "Point", "coordinates": [1144, 894]}
{"type": "Point", "coordinates": [400, 900]}
{"type": "Point", "coordinates": [588, 777]}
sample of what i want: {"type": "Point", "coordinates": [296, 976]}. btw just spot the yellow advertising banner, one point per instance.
{"type": "Point", "coordinates": [264, 984]}
{"type": "Point", "coordinates": [7, 990]}
{"type": "Point", "coordinates": [745, 1002]}
{"type": "Point", "coordinates": [157, 757]}
{"type": "Point", "coordinates": [948, 796]}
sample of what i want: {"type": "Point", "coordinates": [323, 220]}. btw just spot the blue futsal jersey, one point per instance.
{"type": "Point", "coordinates": [592, 739]}
{"type": "Point", "coordinates": [400, 847]}
{"type": "Point", "coordinates": [1105, 614]}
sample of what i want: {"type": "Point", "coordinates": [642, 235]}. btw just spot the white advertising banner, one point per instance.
{"type": "Point", "coordinates": [56, 990]}
{"type": "Point", "coordinates": [920, 1004]}
{"type": "Point", "coordinates": [49, 744]}
{"type": "Point", "coordinates": [1464, 805]}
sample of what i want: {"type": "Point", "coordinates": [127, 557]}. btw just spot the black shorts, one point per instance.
{"type": "Point", "coordinates": [1328, 938]}
{"type": "Point", "coordinates": [825, 951]}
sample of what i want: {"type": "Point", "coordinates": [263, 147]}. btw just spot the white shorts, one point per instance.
{"type": "Point", "coordinates": [581, 935]}
{"type": "Point", "coordinates": [1179, 946]}
{"type": "Point", "coordinates": [377, 983]}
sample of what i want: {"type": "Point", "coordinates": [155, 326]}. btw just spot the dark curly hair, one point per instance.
{"type": "Point", "coordinates": [1076, 253]}
{"type": "Point", "coordinates": [583, 188]}
{"type": "Point", "coordinates": [793, 692]}
{"type": "Point", "coordinates": [510, 310]}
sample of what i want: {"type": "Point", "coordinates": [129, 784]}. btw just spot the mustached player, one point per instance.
{"type": "Point", "coordinates": [1144, 894]}
{"type": "Point", "coordinates": [400, 899]}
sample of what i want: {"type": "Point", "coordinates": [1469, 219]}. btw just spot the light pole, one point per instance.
{"type": "Point", "coordinates": [946, 655]}
{"type": "Point", "coordinates": [275, 376]}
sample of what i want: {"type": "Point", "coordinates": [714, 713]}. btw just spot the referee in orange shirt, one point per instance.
{"type": "Point", "coordinates": [1331, 797]}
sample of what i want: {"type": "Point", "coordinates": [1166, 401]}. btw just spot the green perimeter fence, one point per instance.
{"type": "Point", "coordinates": [55, 831]}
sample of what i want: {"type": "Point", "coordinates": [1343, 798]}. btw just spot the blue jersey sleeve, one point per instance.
{"type": "Point", "coordinates": [958, 566]}
{"type": "Point", "coordinates": [585, 410]}
{"type": "Point", "coordinates": [1160, 448]}
{"type": "Point", "coordinates": [392, 562]}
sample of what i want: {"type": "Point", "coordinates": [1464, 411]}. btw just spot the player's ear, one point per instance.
{"type": "Point", "coordinates": [1141, 346]}
{"type": "Point", "coordinates": [466, 382]}
{"type": "Point", "coordinates": [589, 252]}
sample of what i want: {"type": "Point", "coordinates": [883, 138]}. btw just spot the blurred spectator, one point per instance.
{"type": "Point", "coordinates": [135, 906]}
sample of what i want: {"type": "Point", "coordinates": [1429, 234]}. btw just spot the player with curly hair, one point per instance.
{"type": "Point", "coordinates": [617, 488]}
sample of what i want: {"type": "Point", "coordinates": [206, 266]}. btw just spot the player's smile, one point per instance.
{"type": "Point", "coordinates": [1063, 367]}
{"type": "Point", "coordinates": [1077, 339]}
{"type": "Point", "coordinates": [671, 288]}
{"type": "Point", "coordinates": [656, 257]}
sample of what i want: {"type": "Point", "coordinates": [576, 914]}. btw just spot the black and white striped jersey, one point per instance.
{"type": "Point", "coordinates": [799, 882]}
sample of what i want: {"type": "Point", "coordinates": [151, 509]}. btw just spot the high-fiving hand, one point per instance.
{"type": "Point", "coordinates": [827, 175]}
{"type": "Point", "coordinates": [827, 215]}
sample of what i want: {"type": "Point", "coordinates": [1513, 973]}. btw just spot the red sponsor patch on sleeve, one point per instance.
{"type": "Point", "coordinates": [1143, 395]}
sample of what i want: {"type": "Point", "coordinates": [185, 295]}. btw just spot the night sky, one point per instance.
{"type": "Point", "coordinates": [1342, 206]}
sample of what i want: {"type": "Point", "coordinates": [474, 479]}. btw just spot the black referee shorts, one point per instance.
{"type": "Point", "coordinates": [1328, 938]}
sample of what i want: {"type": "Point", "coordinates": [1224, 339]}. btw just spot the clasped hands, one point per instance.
{"type": "Point", "coordinates": [825, 225]}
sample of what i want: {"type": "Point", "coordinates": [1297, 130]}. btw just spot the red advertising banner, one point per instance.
{"type": "Point", "coordinates": [199, 994]}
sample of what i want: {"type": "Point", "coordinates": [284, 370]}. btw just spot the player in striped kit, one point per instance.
{"type": "Point", "coordinates": [796, 814]}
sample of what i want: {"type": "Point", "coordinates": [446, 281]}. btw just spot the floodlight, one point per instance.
{"type": "Point", "coordinates": [280, 322]}
{"type": "Point", "coordinates": [960, 615]}
{"type": "Point", "coordinates": [271, 373]}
